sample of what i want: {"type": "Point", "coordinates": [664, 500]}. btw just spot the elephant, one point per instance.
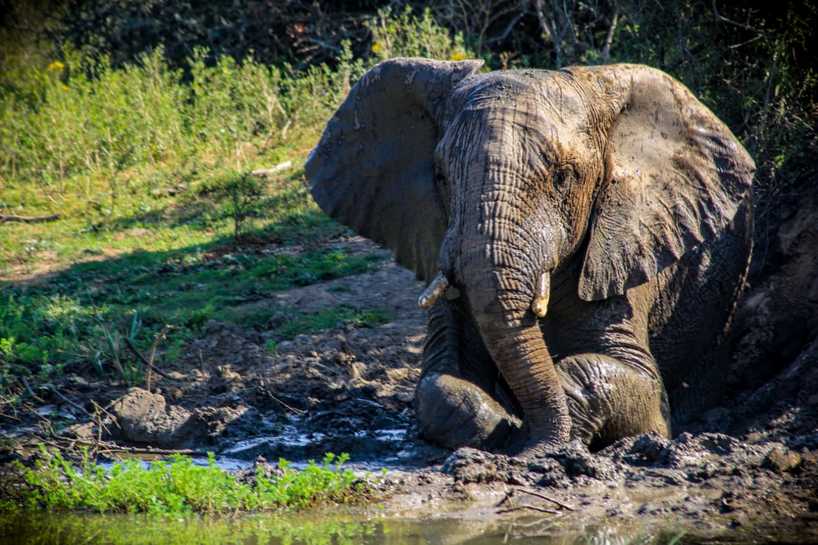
{"type": "Point", "coordinates": [585, 234]}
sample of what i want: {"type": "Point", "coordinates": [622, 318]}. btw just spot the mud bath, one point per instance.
{"type": "Point", "coordinates": [746, 471]}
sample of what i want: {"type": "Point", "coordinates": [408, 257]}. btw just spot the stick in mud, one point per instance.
{"type": "Point", "coordinates": [144, 360]}
{"type": "Point", "coordinates": [9, 218]}
{"type": "Point", "coordinates": [531, 507]}
{"type": "Point", "coordinates": [547, 498]}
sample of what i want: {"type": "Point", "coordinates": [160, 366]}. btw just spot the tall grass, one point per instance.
{"type": "Point", "coordinates": [80, 117]}
{"type": "Point", "coordinates": [144, 147]}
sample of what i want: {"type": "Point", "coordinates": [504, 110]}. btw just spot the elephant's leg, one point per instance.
{"type": "Point", "coordinates": [452, 402]}
{"type": "Point", "coordinates": [609, 399]}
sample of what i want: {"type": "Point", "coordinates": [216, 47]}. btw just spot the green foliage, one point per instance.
{"type": "Point", "coordinates": [90, 119]}
{"type": "Point", "coordinates": [329, 319]}
{"type": "Point", "coordinates": [180, 486]}
{"type": "Point", "coordinates": [243, 193]}
{"type": "Point", "coordinates": [407, 35]}
{"type": "Point", "coordinates": [83, 315]}
{"type": "Point", "coordinates": [78, 123]}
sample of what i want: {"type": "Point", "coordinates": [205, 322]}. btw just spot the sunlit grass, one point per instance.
{"type": "Point", "coordinates": [178, 486]}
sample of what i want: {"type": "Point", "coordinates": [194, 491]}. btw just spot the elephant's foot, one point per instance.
{"type": "Point", "coordinates": [609, 399]}
{"type": "Point", "coordinates": [453, 413]}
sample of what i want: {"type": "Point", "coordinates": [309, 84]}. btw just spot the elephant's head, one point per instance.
{"type": "Point", "coordinates": [491, 182]}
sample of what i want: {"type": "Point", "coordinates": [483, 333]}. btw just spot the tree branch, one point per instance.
{"type": "Point", "coordinates": [606, 50]}
{"type": "Point", "coordinates": [8, 218]}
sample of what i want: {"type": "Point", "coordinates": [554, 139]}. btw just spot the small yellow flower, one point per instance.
{"type": "Point", "coordinates": [377, 47]}
{"type": "Point", "coordinates": [457, 55]}
{"type": "Point", "coordinates": [55, 66]}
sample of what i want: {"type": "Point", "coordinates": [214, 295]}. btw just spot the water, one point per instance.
{"type": "Point", "coordinates": [323, 528]}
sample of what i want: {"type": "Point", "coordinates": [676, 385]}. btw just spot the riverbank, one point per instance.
{"type": "Point", "coordinates": [748, 467]}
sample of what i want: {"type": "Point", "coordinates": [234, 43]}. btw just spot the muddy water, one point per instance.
{"type": "Point", "coordinates": [314, 529]}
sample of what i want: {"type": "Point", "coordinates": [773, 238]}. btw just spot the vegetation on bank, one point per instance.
{"type": "Point", "coordinates": [177, 486]}
{"type": "Point", "coordinates": [162, 225]}
{"type": "Point", "coordinates": [144, 145]}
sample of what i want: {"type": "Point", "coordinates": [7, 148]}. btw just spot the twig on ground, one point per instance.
{"type": "Point", "coordinates": [114, 448]}
{"type": "Point", "coordinates": [144, 360]}
{"type": "Point", "coordinates": [8, 218]}
{"type": "Point", "coordinates": [30, 391]}
{"type": "Point", "coordinates": [547, 498]}
{"type": "Point", "coordinates": [531, 507]}
{"type": "Point", "coordinates": [266, 391]}
{"type": "Point", "coordinates": [505, 499]}
{"type": "Point", "coordinates": [70, 402]}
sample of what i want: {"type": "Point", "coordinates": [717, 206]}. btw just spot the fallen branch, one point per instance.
{"type": "Point", "coordinates": [265, 390]}
{"type": "Point", "coordinates": [144, 360]}
{"type": "Point", "coordinates": [547, 498]}
{"type": "Point", "coordinates": [531, 507]}
{"type": "Point", "coordinates": [113, 447]}
{"type": "Point", "coordinates": [8, 218]}
{"type": "Point", "coordinates": [272, 171]}
{"type": "Point", "coordinates": [70, 402]}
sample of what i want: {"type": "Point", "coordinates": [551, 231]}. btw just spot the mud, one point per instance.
{"type": "Point", "coordinates": [746, 467]}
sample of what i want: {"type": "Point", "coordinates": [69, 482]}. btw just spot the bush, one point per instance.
{"type": "Point", "coordinates": [406, 35]}
{"type": "Point", "coordinates": [243, 194]}
{"type": "Point", "coordinates": [178, 486]}
{"type": "Point", "coordinates": [80, 117]}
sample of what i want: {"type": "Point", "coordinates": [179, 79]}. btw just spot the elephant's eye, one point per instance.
{"type": "Point", "coordinates": [564, 175]}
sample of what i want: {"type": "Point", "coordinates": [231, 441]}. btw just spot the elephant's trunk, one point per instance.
{"type": "Point", "coordinates": [507, 286]}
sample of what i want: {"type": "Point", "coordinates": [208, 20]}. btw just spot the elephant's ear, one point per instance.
{"type": "Point", "coordinates": [372, 169]}
{"type": "Point", "coordinates": [674, 177]}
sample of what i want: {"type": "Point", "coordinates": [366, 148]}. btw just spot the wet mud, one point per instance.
{"type": "Point", "coordinates": [746, 466]}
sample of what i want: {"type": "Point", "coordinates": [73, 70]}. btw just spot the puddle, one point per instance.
{"type": "Point", "coordinates": [312, 529]}
{"type": "Point", "coordinates": [297, 440]}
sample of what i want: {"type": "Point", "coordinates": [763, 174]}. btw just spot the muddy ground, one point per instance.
{"type": "Point", "coordinates": [749, 464]}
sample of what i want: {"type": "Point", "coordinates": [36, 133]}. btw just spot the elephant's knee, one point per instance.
{"type": "Point", "coordinates": [453, 412]}
{"type": "Point", "coordinates": [609, 399]}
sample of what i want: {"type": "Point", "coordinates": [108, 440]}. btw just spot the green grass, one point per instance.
{"type": "Point", "coordinates": [178, 486]}
{"type": "Point", "coordinates": [80, 316]}
{"type": "Point", "coordinates": [148, 169]}
{"type": "Point", "coordinates": [331, 318]}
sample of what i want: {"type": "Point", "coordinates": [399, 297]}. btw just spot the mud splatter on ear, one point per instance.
{"type": "Point", "coordinates": [675, 177]}
{"type": "Point", "coordinates": [372, 169]}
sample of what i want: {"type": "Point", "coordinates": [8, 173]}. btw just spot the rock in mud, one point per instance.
{"type": "Point", "coordinates": [577, 462]}
{"type": "Point", "coordinates": [781, 459]}
{"type": "Point", "coordinates": [469, 465]}
{"type": "Point", "coordinates": [145, 417]}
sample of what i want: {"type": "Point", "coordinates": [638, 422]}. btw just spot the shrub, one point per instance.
{"type": "Point", "coordinates": [178, 486]}
{"type": "Point", "coordinates": [407, 35]}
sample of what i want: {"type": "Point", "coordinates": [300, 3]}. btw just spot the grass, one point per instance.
{"type": "Point", "coordinates": [329, 319]}
{"type": "Point", "coordinates": [178, 486]}
{"type": "Point", "coordinates": [82, 315]}
{"type": "Point", "coordinates": [161, 227]}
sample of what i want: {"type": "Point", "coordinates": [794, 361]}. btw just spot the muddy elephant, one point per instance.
{"type": "Point", "coordinates": [584, 233]}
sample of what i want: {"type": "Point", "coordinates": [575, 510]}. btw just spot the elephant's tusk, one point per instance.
{"type": "Point", "coordinates": [540, 303]}
{"type": "Point", "coordinates": [433, 291]}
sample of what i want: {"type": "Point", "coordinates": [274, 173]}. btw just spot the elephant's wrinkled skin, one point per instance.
{"type": "Point", "coordinates": [585, 233]}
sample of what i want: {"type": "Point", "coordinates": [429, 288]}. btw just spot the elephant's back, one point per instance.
{"type": "Point", "coordinates": [694, 302]}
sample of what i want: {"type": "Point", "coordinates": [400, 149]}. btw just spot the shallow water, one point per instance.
{"type": "Point", "coordinates": [314, 529]}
